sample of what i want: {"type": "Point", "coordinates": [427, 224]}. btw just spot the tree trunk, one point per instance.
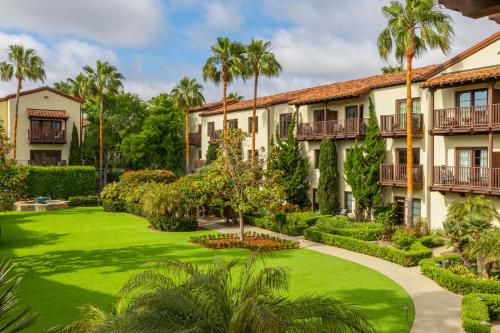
{"type": "Point", "coordinates": [409, 145]}
{"type": "Point", "coordinates": [101, 143]}
{"type": "Point", "coordinates": [242, 226]}
{"type": "Point", "coordinates": [482, 268]}
{"type": "Point", "coordinates": [224, 103]}
{"type": "Point", "coordinates": [187, 140]}
{"type": "Point", "coordinates": [254, 114]}
{"type": "Point", "coordinates": [16, 116]}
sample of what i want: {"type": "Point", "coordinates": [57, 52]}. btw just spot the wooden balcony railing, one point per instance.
{"type": "Point", "coordinates": [394, 125]}
{"type": "Point", "coordinates": [46, 136]}
{"type": "Point", "coordinates": [467, 119]}
{"type": "Point", "coordinates": [198, 164]}
{"type": "Point", "coordinates": [466, 179]}
{"type": "Point", "coordinates": [47, 162]}
{"type": "Point", "coordinates": [336, 129]}
{"type": "Point", "coordinates": [215, 136]}
{"type": "Point", "coordinates": [195, 139]}
{"type": "Point", "coordinates": [396, 175]}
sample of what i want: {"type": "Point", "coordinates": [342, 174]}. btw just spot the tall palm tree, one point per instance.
{"type": "Point", "coordinates": [103, 79]}
{"type": "Point", "coordinates": [411, 30]}
{"type": "Point", "coordinates": [260, 61]}
{"type": "Point", "coordinates": [183, 297]}
{"type": "Point", "coordinates": [23, 64]}
{"type": "Point", "coordinates": [225, 64]}
{"type": "Point", "coordinates": [186, 95]}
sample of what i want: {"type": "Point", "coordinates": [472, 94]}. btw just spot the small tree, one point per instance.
{"type": "Point", "coordinates": [486, 251]}
{"type": "Point", "coordinates": [211, 153]}
{"type": "Point", "coordinates": [245, 185]}
{"type": "Point", "coordinates": [74, 148]}
{"type": "Point", "coordinates": [355, 174]}
{"type": "Point", "coordinates": [286, 157]}
{"type": "Point", "coordinates": [328, 186]}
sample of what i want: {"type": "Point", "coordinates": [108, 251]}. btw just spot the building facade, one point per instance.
{"type": "Point", "coordinates": [456, 128]}
{"type": "Point", "coordinates": [45, 121]}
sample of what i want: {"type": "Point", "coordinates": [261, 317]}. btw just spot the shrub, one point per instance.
{"type": "Point", "coordinates": [173, 223]}
{"type": "Point", "coordinates": [83, 201]}
{"type": "Point", "coordinates": [411, 257]}
{"type": "Point", "coordinates": [386, 217]}
{"type": "Point", "coordinates": [12, 185]}
{"type": "Point", "coordinates": [113, 205]}
{"type": "Point", "coordinates": [477, 309]}
{"type": "Point", "coordinates": [295, 224]}
{"type": "Point", "coordinates": [145, 176]}
{"type": "Point", "coordinates": [432, 268]}
{"type": "Point", "coordinates": [60, 182]}
{"type": "Point", "coordinates": [431, 241]}
{"type": "Point", "coordinates": [134, 208]}
{"type": "Point", "coordinates": [341, 225]}
{"type": "Point", "coordinates": [216, 207]}
{"type": "Point", "coordinates": [280, 220]}
{"type": "Point", "coordinates": [403, 239]}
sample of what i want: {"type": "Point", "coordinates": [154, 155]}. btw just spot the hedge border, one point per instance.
{"type": "Point", "coordinates": [409, 258]}
{"type": "Point", "coordinates": [476, 308]}
{"type": "Point", "coordinates": [454, 282]}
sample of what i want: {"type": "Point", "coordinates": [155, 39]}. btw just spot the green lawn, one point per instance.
{"type": "Point", "coordinates": [77, 256]}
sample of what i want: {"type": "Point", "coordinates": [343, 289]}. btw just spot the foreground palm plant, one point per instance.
{"type": "Point", "coordinates": [11, 319]}
{"type": "Point", "coordinates": [182, 297]}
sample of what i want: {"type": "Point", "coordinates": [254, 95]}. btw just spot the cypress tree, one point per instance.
{"type": "Point", "coordinates": [74, 148]}
{"type": "Point", "coordinates": [211, 153]}
{"type": "Point", "coordinates": [328, 185]}
{"type": "Point", "coordinates": [286, 156]}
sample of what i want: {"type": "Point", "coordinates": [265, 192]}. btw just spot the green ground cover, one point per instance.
{"type": "Point", "coordinates": [83, 255]}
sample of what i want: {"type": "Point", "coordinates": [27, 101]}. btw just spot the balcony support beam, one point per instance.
{"type": "Point", "coordinates": [431, 138]}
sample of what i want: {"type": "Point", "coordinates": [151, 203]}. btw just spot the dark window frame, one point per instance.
{"type": "Point", "coordinates": [285, 121]}
{"type": "Point", "coordinates": [250, 123]}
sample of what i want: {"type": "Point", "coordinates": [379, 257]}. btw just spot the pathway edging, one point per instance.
{"type": "Point", "coordinates": [437, 310]}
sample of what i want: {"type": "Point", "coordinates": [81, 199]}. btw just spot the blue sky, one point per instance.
{"type": "Point", "coordinates": [156, 42]}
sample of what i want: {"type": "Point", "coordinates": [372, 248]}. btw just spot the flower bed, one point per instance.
{"type": "Point", "coordinates": [408, 258]}
{"type": "Point", "coordinates": [252, 241]}
{"type": "Point", "coordinates": [479, 311]}
{"type": "Point", "coordinates": [433, 269]}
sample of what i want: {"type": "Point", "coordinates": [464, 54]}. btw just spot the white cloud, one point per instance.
{"type": "Point", "coordinates": [147, 88]}
{"type": "Point", "coordinates": [223, 16]}
{"type": "Point", "coordinates": [117, 22]}
{"type": "Point", "coordinates": [62, 60]}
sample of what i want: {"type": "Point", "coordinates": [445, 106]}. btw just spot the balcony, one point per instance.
{"type": "Point", "coordinates": [394, 125]}
{"type": "Point", "coordinates": [349, 128]}
{"type": "Point", "coordinates": [466, 179]}
{"type": "Point", "coordinates": [195, 139]}
{"type": "Point", "coordinates": [48, 136]}
{"type": "Point", "coordinates": [463, 120]}
{"type": "Point", "coordinates": [44, 162]}
{"type": "Point", "coordinates": [396, 175]}
{"type": "Point", "coordinates": [197, 164]}
{"type": "Point", "coordinates": [215, 136]}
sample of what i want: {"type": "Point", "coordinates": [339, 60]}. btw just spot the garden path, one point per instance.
{"type": "Point", "coordinates": [436, 309]}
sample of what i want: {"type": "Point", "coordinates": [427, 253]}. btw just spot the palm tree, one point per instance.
{"type": "Point", "coordinates": [225, 64]}
{"type": "Point", "coordinates": [9, 320]}
{"type": "Point", "coordinates": [23, 64]}
{"type": "Point", "coordinates": [235, 95]}
{"type": "Point", "coordinates": [412, 29]}
{"type": "Point", "coordinates": [474, 207]}
{"type": "Point", "coordinates": [486, 251]}
{"type": "Point", "coordinates": [103, 79]}
{"type": "Point", "coordinates": [260, 61]}
{"type": "Point", "coordinates": [186, 95]}
{"type": "Point", "coordinates": [182, 297]}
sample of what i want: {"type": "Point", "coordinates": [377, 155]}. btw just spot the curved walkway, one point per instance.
{"type": "Point", "coordinates": [436, 309]}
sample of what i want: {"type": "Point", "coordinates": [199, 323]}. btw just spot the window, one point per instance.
{"type": "Point", "coordinates": [348, 201]}
{"type": "Point", "coordinates": [472, 98]}
{"type": "Point", "coordinates": [417, 209]}
{"type": "Point", "coordinates": [199, 154]}
{"type": "Point", "coordinates": [400, 204]}
{"type": "Point", "coordinates": [250, 122]}
{"type": "Point", "coordinates": [352, 111]}
{"type": "Point", "coordinates": [285, 121]}
{"type": "Point", "coordinates": [401, 156]}
{"type": "Point", "coordinates": [232, 123]}
{"type": "Point", "coordinates": [316, 158]}
{"type": "Point", "coordinates": [472, 164]}
{"type": "Point", "coordinates": [45, 157]}
{"type": "Point", "coordinates": [315, 203]}
{"type": "Point", "coordinates": [210, 127]}
{"type": "Point", "coordinates": [401, 106]}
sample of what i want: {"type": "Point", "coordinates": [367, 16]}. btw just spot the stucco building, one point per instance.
{"type": "Point", "coordinates": [45, 121]}
{"type": "Point", "coordinates": [456, 127]}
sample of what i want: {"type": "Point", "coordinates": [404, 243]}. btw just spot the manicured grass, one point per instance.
{"type": "Point", "coordinates": [77, 256]}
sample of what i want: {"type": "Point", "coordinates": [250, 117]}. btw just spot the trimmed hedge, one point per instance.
{"type": "Point", "coordinates": [83, 201]}
{"type": "Point", "coordinates": [477, 309]}
{"type": "Point", "coordinates": [431, 241]}
{"type": "Point", "coordinates": [60, 182]}
{"type": "Point", "coordinates": [342, 226]}
{"type": "Point", "coordinates": [146, 176]}
{"type": "Point", "coordinates": [408, 258]}
{"type": "Point", "coordinates": [172, 223]}
{"type": "Point", "coordinates": [134, 208]}
{"type": "Point", "coordinates": [454, 282]}
{"type": "Point", "coordinates": [113, 205]}
{"type": "Point", "coordinates": [295, 223]}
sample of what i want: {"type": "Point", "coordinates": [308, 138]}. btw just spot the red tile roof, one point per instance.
{"type": "Point", "coordinates": [43, 113]}
{"type": "Point", "coordinates": [213, 105]}
{"type": "Point", "coordinates": [468, 76]}
{"type": "Point", "coordinates": [44, 88]}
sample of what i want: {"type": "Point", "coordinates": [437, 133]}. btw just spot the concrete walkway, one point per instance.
{"type": "Point", "coordinates": [436, 309]}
